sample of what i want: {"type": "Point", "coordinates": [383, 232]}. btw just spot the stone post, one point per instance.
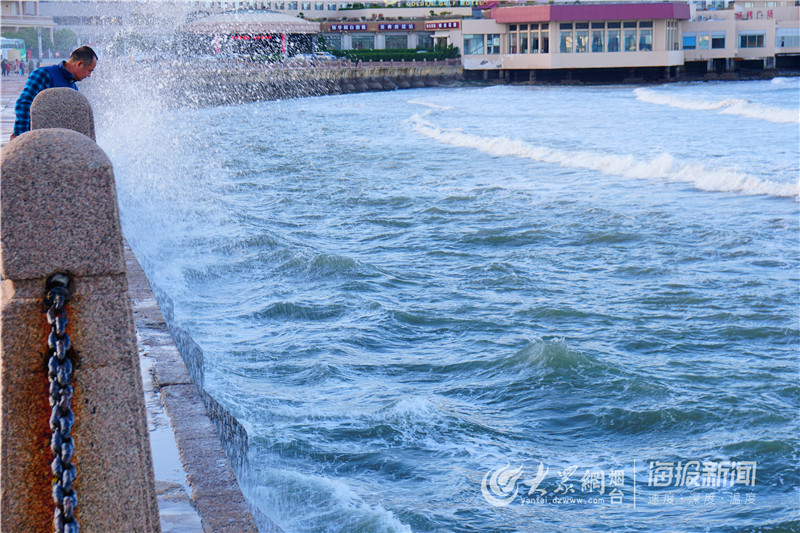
{"type": "Point", "coordinates": [58, 213]}
{"type": "Point", "coordinates": [62, 107]}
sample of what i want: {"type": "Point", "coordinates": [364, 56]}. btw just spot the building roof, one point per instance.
{"type": "Point", "coordinates": [251, 22]}
{"type": "Point", "coordinates": [589, 12]}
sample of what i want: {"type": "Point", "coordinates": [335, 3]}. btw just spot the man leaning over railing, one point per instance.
{"type": "Point", "coordinates": [77, 67]}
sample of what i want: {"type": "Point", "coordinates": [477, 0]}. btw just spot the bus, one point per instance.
{"type": "Point", "coordinates": [13, 48]}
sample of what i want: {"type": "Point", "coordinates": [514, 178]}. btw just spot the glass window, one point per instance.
{"type": "Point", "coordinates": [614, 25]}
{"type": "Point", "coordinates": [751, 40]}
{"type": "Point", "coordinates": [545, 26]}
{"type": "Point", "coordinates": [645, 23]}
{"type": "Point", "coordinates": [333, 41]}
{"type": "Point", "coordinates": [523, 27]}
{"type": "Point", "coordinates": [512, 27]}
{"type": "Point", "coordinates": [646, 40]}
{"type": "Point", "coordinates": [293, 5]}
{"type": "Point", "coordinates": [473, 44]}
{"type": "Point", "coordinates": [534, 26]}
{"type": "Point", "coordinates": [629, 40]}
{"type": "Point", "coordinates": [703, 41]}
{"type": "Point", "coordinates": [581, 25]}
{"type": "Point", "coordinates": [545, 42]}
{"type": "Point", "coordinates": [534, 42]}
{"type": "Point", "coordinates": [396, 42]}
{"type": "Point", "coordinates": [582, 41]}
{"type": "Point", "coordinates": [597, 41]}
{"type": "Point", "coordinates": [629, 24]}
{"type": "Point", "coordinates": [363, 42]}
{"type": "Point", "coordinates": [689, 41]}
{"type": "Point", "coordinates": [786, 37]}
{"type": "Point", "coordinates": [613, 40]}
{"type": "Point", "coordinates": [319, 6]}
{"type": "Point", "coordinates": [565, 42]}
{"type": "Point", "coordinates": [598, 25]}
{"type": "Point", "coordinates": [565, 25]}
{"type": "Point", "coordinates": [425, 41]}
{"type": "Point", "coordinates": [523, 43]}
{"type": "Point", "coordinates": [331, 6]}
{"type": "Point", "coordinates": [512, 43]}
{"type": "Point", "coordinates": [717, 39]}
{"type": "Point", "coordinates": [306, 6]}
{"type": "Point", "coordinates": [493, 43]}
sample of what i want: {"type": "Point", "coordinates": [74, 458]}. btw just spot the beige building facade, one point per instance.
{"type": "Point", "coordinates": [18, 14]}
{"type": "Point", "coordinates": [627, 40]}
{"type": "Point", "coordinates": [750, 33]}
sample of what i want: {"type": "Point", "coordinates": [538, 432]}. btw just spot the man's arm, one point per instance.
{"type": "Point", "coordinates": [38, 81]}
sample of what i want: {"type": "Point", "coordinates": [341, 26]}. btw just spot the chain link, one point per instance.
{"type": "Point", "coordinates": [59, 373]}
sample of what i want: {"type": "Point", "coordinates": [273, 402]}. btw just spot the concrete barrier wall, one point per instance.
{"type": "Point", "coordinates": [232, 433]}
{"type": "Point", "coordinates": [254, 84]}
{"type": "Point", "coordinates": [198, 84]}
{"type": "Point", "coordinates": [215, 492]}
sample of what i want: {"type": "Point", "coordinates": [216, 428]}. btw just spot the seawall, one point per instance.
{"type": "Point", "coordinates": [223, 83]}
{"type": "Point", "coordinates": [207, 437]}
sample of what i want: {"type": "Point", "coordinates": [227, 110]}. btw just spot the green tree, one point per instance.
{"type": "Point", "coordinates": [64, 41]}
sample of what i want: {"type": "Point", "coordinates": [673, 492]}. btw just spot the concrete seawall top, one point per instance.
{"type": "Point", "coordinates": [204, 469]}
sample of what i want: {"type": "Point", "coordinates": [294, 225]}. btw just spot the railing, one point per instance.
{"type": "Point", "coordinates": [73, 413]}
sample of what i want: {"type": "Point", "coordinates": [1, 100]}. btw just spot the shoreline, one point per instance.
{"type": "Point", "coordinates": [196, 484]}
{"type": "Point", "coordinates": [198, 86]}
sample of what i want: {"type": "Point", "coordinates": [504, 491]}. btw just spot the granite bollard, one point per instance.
{"type": "Point", "coordinates": [62, 107]}
{"type": "Point", "coordinates": [58, 213]}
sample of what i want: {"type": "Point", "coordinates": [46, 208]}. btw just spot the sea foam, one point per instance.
{"type": "Point", "coordinates": [662, 166]}
{"type": "Point", "coordinates": [728, 106]}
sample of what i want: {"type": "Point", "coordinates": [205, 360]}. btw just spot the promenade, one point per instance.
{"type": "Point", "coordinates": [177, 510]}
{"type": "Point", "coordinates": [10, 87]}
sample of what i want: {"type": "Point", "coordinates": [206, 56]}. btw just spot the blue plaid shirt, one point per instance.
{"type": "Point", "coordinates": [38, 81]}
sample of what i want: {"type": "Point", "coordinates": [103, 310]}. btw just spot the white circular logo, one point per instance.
{"type": "Point", "coordinates": [499, 487]}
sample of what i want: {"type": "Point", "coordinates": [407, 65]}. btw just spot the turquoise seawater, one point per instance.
{"type": "Point", "coordinates": [494, 309]}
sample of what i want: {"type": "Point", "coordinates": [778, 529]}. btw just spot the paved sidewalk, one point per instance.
{"type": "Point", "coordinates": [10, 87]}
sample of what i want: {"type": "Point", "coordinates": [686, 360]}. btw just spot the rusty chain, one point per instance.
{"type": "Point", "coordinates": [59, 373]}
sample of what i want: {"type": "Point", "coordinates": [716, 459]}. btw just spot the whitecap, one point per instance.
{"type": "Point", "coordinates": [661, 166]}
{"type": "Point", "coordinates": [431, 105]}
{"type": "Point", "coordinates": [728, 106]}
